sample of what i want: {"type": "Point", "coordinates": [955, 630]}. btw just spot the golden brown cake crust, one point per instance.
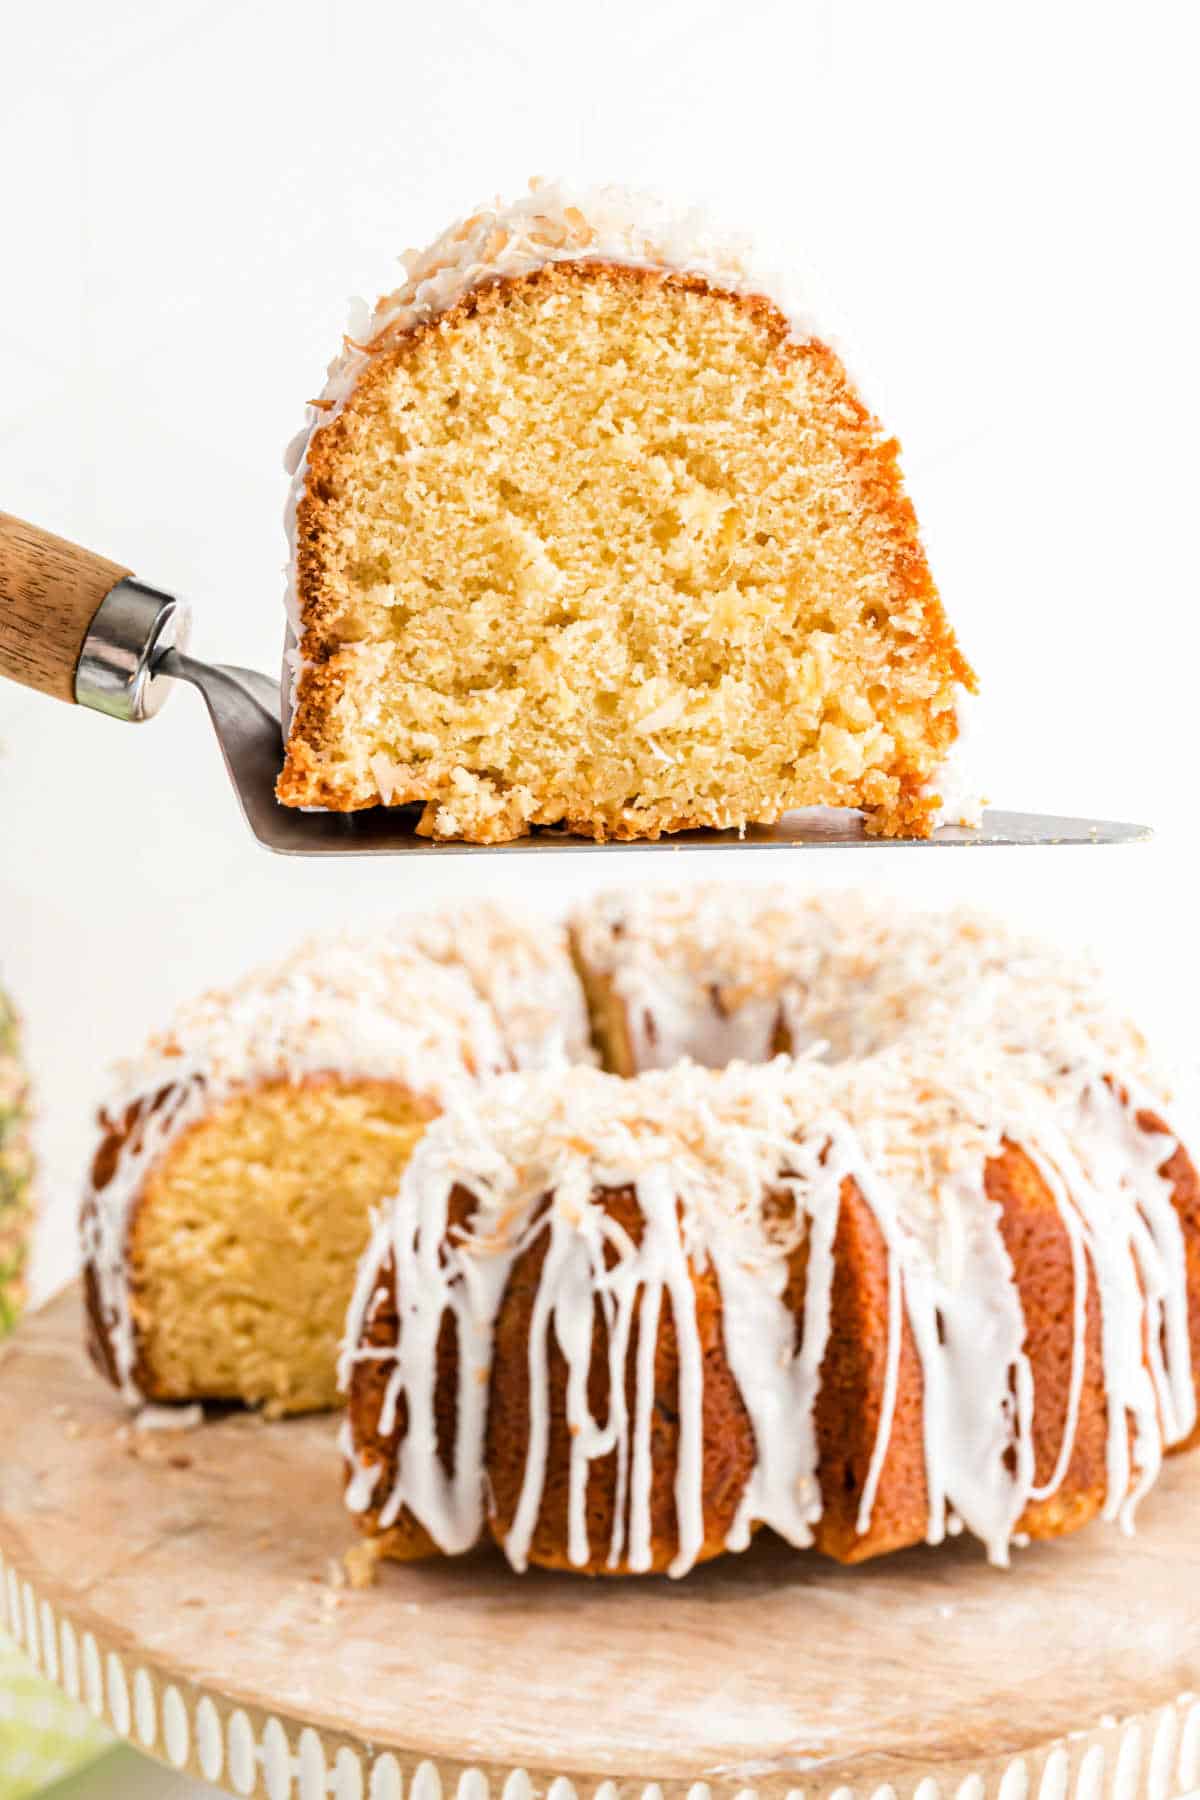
{"type": "Point", "coordinates": [97, 1333]}
{"type": "Point", "coordinates": [850, 1402]}
{"type": "Point", "coordinates": [309, 777]}
{"type": "Point", "coordinates": [1180, 1171]}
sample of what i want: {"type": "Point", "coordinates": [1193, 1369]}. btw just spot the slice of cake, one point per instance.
{"type": "Point", "coordinates": [591, 528]}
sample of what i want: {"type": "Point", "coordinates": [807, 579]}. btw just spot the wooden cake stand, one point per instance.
{"type": "Point", "coordinates": [188, 1586]}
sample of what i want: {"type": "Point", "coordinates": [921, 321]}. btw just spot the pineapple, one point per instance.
{"type": "Point", "coordinates": [16, 1167]}
{"type": "Point", "coordinates": [43, 1735]}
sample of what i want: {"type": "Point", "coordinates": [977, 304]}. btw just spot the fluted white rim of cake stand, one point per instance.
{"type": "Point", "coordinates": [251, 1751]}
{"type": "Point", "coordinates": [184, 1592]}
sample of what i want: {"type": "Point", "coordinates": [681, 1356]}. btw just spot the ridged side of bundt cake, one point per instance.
{"type": "Point", "coordinates": [648, 1540]}
{"type": "Point", "coordinates": [588, 531]}
{"type": "Point", "coordinates": [587, 1288]}
{"type": "Point", "coordinates": [1068, 1447]}
{"type": "Point", "coordinates": [617, 1326]}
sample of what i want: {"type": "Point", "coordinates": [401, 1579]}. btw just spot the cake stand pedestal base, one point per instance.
{"type": "Point", "coordinates": [189, 1587]}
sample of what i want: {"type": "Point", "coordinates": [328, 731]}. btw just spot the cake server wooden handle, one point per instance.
{"type": "Point", "coordinates": [50, 591]}
{"type": "Point", "coordinates": [78, 627]}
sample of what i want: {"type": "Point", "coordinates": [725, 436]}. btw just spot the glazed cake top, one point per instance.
{"type": "Point", "coordinates": [923, 1116]}
{"type": "Point", "coordinates": [337, 1004]}
{"type": "Point", "coordinates": [851, 975]}
{"type": "Point", "coordinates": [524, 973]}
{"type": "Point", "coordinates": [550, 223]}
{"type": "Point", "coordinates": [724, 1139]}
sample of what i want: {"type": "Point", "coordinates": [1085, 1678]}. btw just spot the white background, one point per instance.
{"type": "Point", "coordinates": [1001, 204]}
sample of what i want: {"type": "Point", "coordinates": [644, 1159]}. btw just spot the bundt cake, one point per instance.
{"type": "Point", "coordinates": [590, 527]}
{"type": "Point", "coordinates": [618, 1325]}
{"type": "Point", "coordinates": [924, 1257]}
{"type": "Point", "coordinates": [948, 1278]}
{"type": "Point", "coordinates": [240, 1157]}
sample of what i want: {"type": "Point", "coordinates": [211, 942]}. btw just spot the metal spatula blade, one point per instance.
{"type": "Point", "coordinates": [244, 708]}
{"type": "Point", "coordinates": [78, 627]}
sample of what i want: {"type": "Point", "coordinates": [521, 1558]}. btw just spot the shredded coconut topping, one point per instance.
{"type": "Point", "coordinates": [549, 224]}
{"type": "Point", "coordinates": [713, 973]}
{"type": "Point", "coordinates": [337, 1004]}
{"type": "Point", "coordinates": [525, 975]}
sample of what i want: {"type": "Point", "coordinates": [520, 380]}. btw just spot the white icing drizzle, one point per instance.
{"type": "Point", "coordinates": [782, 1491]}
{"type": "Point", "coordinates": [970, 1331]}
{"type": "Point", "coordinates": [1115, 1149]}
{"type": "Point", "coordinates": [915, 1130]}
{"type": "Point", "coordinates": [1106, 1169]}
{"type": "Point", "coordinates": [105, 1215]}
{"type": "Point", "coordinates": [363, 1477]}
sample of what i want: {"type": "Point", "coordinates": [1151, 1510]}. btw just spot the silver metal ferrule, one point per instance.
{"type": "Point", "coordinates": [134, 627]}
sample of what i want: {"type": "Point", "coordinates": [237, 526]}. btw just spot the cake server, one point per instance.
{"type": "Point", "coordinates": [82, 629]}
